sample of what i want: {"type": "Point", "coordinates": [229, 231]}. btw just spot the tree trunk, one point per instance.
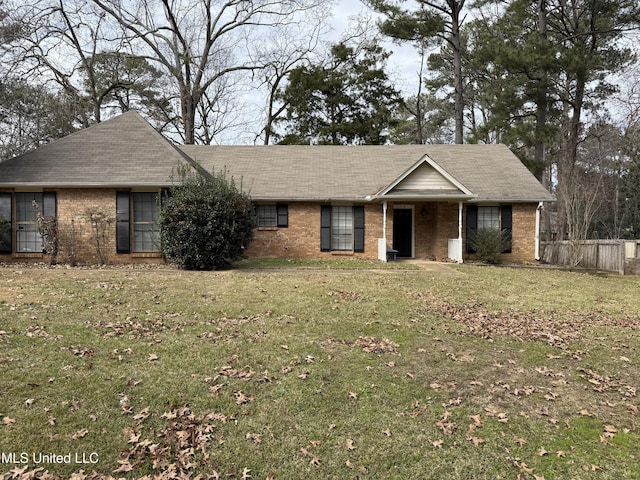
{"type": "Point", "coordinates": [456, 43]}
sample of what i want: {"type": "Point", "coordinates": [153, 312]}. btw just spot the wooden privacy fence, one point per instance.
{"type": "Point", "coordinates": [607, 255]}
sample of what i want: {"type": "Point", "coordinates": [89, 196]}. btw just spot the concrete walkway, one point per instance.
{"type": "Point", "coordinates": [432, 266]}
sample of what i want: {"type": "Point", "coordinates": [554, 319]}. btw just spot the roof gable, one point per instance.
{"type": "Point", "coordinates": [426, 180]}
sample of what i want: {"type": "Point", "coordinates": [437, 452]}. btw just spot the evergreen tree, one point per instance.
{"type": "Point", "coordinates": [431, 22]}
{"type": "Point", "coordinates": [348, 100]}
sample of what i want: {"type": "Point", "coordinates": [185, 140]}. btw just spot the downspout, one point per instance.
{"type": "Point", "coordinates": [537, 240]}
{"type": "Point", "coordinates": [459, 232]}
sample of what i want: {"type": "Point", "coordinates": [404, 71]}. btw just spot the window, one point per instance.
{"type": "Point", "coordinates": [488, 217]}
{"type": "Point", "coordinates": [342, 228]}
{"type": "Point", "coordinates": [28, 240]}
{"type": "Point", "coordinates": [137, 222]}
{"type": "Point", "coordinates": [146, 236]}
{"type": "Point", "coordinates": [273, 215]}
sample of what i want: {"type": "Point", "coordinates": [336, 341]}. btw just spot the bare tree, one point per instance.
{"type": "Point", "coordinates": [288, 48]}
{"type": "Point", "coordinates": [200, 42]}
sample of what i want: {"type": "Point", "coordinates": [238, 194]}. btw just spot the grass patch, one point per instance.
{"type": "Point", "coordinates": [301, 373]}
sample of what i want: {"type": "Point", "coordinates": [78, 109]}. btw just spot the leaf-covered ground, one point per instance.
{"type": "Point", "coordinates": [474, 372]}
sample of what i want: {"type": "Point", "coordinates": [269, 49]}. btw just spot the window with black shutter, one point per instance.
{"type": "Point", "coordinates": [489, 217]}
{"type": "Point", "coordinates": [342, 228]}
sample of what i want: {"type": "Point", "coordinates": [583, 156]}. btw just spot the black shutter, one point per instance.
{"type": "Point", "coordinates": [325, 228]}
{"type": "Point", "coordinates": [358, 228]}
{"type": "Point", "coordinates": [49, 204]}
{"type": "Point", "coordinates": [123, 238]}
{"type": "Point", "coordinates": [506, 227]}
{"type": "Point", "coordinates": [472, 226]}
{"type": "Point", "coordinates": [283, 215]}
{"type": "Point", "coordinates": [5, 214]}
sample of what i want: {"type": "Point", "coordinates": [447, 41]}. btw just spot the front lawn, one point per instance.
{"type": "Point", "coordinates": [316, 373]}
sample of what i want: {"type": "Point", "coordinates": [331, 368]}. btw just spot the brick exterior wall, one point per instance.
{"type": "Point", "coordinates": [434, 224]}
{"type": "Point", "coordinates": [301, 239]}
{"type": "Point", "coordinates": [523, 244]}
{"type": "Point", "coordinates": [76, 238]}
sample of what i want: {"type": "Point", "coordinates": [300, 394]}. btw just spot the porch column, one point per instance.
{"type": "Point", "coordinates": [537, 235]}
{"type": "Point", "coordinates": [459, 232]}
{"type": "Point", "coordinates": [382, 242]}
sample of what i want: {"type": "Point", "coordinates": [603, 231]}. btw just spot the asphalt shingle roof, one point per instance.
{"type": "Point", "coordinates": [127, 152]}
{"type": "Point", "coordinates": [490, 172]}
{"type": "Point", "coordinates": [124, 151]}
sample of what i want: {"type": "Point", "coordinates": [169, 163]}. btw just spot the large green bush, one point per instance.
{"type": "Point", "coordinates": [205, 222]}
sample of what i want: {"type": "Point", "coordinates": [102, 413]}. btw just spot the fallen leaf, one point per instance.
{"type": "Point", "coordinates": [542, 452]}
{"type": "Point", "coordinates": [152, 357]}
{"type": "Point", "coordinates": [350, 445]}
{"type": "Point", "coordinates": [387, 432]}
{"type": "Point", "coordinates": [477, 420]}
{"type": "Point", "coordinates": [246, 474]}
{"type": "Point", "coordinates": [79, 434]}
{"type": "Point", "coordinates": [437, 443]}
{"type": "Point", "coordinates": [241, 398]}
{"type": "Point", "coordinates": [519, 440]}
{"type": "Point", "coordinates": [475, 440]}
{"type": "Point", "coordinates": [353, 395]}
{"type": "Point", "coordinates": [28, 402]}
{"type": "Point", "coordinates": [8, 421]}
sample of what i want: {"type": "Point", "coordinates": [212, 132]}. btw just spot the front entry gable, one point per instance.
{"type": "Point", "coordinates": [426, 180]}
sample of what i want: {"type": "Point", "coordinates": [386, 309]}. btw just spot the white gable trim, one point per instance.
{"type": "Point", "coordinates": [387, 191]}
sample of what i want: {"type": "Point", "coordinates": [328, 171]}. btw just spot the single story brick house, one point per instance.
{"type": "Point", "coordinates": [424, 201]}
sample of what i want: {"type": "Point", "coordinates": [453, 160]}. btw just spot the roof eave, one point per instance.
{"type": "Point", "coordinates": [512, 200]}
{"type": "Point", "coordinates": [22, 185]}
{"type": "Point", "coordinates": [432, 197]}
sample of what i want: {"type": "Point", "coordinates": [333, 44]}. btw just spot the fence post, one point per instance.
{"type": "Point", "coordinates": [621, 256]}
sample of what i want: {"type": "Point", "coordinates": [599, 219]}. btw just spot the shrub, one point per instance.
{"type": "Point", "coordinates": [489, 244]}
{"type": "Point", "coordinates": [48, 230]}
{"type": "Point", "coordinates": [101, 223]}
{"type": "Point", "coordinates": [205, 222]}
{"type": "Point", "coordinates": [4, 229]}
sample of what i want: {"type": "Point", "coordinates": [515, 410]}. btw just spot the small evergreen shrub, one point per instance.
{"type": "Point", "coordinates": [205, 222]}
{"type": "Point", "coordinates": [489, 244]}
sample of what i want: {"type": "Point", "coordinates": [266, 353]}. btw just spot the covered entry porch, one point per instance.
{"type": "Point", "coordinates": [428, 230]}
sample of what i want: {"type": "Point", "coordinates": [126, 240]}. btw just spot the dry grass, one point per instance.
{"type": "Point", "coordinates": [319, 373]}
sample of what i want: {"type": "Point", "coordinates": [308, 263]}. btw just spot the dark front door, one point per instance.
{"type": "Point", "coordinates": [403, 232]}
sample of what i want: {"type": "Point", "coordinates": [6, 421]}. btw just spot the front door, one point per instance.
{"type": "Point", "coordinates": [403, 232]}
